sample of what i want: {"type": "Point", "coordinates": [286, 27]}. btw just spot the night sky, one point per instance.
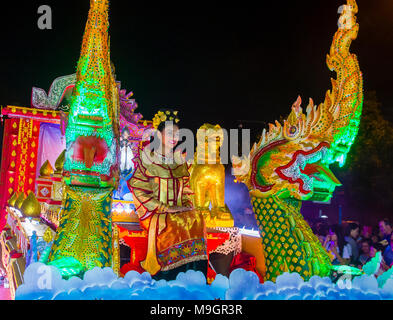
{"type": "Point", "coordinates": [214, 62]}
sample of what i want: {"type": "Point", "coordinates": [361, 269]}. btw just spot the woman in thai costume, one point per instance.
{"type": "Point", "coordinates": [162, 197]}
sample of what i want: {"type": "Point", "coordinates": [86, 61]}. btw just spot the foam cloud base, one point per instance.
{"type": "Point", "coordinates": [43, 282]}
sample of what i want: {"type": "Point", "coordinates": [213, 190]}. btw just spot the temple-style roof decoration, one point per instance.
{"type": "Point", "coordinates": [60, 162]}
{"type": "Point", "coordinates": [30, 206]}
{"type": "Point", "coordinates": [11, 201]}
{"type": "Point", "coordinates": [43, 115]}
{"type": "Point", "coordinates": [58, 90]}
{"type": "Point", "coordinates": [19, 200]}
{"type": "Point", "coordinates": [93, 120]}
{"type": "Point", "coordinates": [46, 169]}
{"type": "Point", "coordinates": [128, 106]}
{"type": "Point", "coordinates": [95, 98]}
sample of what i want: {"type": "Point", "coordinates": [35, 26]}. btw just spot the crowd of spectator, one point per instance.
{"type": "Point", "coordinates": [355, 245]}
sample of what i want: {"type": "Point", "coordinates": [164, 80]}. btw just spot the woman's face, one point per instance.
{"type": "Point", "coordinates": [170, 136]}
{"type": "Point", "coordinates": [333, 236]}
{"type": "Point", "coordinates": [365, 248]}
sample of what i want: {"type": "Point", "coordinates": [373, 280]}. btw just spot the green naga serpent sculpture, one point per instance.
{"type": "Point", "coordinates": [290, 163]}
{"type": "Point", "coordinates": [84, 236]}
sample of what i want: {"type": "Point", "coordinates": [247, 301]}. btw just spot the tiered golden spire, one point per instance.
{"type": "Point", "coordinates": [11, 201]}
{"type": "Point", "coordinates": [19, 200]}
{"type": "Point", "coordinates": [60, 163]}
{"type": "Point", "coordinates": [95, 90]}
{"type": "Point", "coordinates": [46, 169]}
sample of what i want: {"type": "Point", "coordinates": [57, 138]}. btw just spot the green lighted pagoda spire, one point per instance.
{"type": "Point", "coordinates": [93, 118]}
{"type": "Point", "coordinates": [84, 236]}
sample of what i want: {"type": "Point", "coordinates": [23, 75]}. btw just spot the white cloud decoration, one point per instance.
{"type": "Point", "coordinates": [45, 283]}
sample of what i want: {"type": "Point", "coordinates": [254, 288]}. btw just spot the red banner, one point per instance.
{"type": "Point", "coordinates": [18, 165]}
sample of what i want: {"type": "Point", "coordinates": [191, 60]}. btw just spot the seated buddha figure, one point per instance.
{"type": "Point", "coordinates": [162, 197]}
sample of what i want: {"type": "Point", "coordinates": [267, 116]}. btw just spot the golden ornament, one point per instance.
{"type": "Point", "coordinates": [48, 236]}
{"type": "Point", "coordinates": [30, 206]}
{"type": "Point", "coordinates": [60, 162]}
{"type": "Point", "coordinates": [19, 200]}
{"type": "Point", "coordinates": [11, 201]}
{"type": "Point", "coordinates": [46, 169]}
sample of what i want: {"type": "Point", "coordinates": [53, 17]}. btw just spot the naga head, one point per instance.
{"type": "Point", "coordinates": [293, 158]}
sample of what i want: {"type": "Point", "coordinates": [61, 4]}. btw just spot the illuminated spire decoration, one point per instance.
{"type": "Point", "coordinates": [84, 236]}
{"type": "Point", "coordinates": [93, 118]}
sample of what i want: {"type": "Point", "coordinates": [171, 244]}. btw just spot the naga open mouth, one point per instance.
{"type": "Point", "coordinates": [90, 150]}
{"type": "Point", "coordinates": [310, 170]}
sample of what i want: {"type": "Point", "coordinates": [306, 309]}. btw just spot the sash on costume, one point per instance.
{"type": "Point", "coordinates": [150, 264]}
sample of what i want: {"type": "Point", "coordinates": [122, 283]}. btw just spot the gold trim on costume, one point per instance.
{"type": "Point", "coordinates": [150, 264]}
{"type": "Point", "coordinates": [161, 223]}
{"type": "Point", "coordinates": [163, 190]}
{"type": "Point", "coordinates": [180, 194]}
{"type": "Point", "coordinates": [184, 261]}
{"type": "Point", "coordinates": [157, 186]}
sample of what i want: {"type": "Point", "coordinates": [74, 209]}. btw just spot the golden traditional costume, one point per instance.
{"type": "Point", "coordinates": [174, 239]}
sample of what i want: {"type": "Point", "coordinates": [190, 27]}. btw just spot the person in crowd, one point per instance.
{"type": "Point", "coordinates": [388, 253]}
{"type": "Point", "coordinates": [352, 238]}
{"type": "Point", "coordinates": [386, 230]}
{"type": "Point", "coordinates": [321, 231]}
{"type": "Point", "coordinates": [336, 245]}
{"type": "Point", "coordinates": [367, 252]}
{"type": "Point", "coordinates": [375, 240]}
{"type": "Point", "coordinates": [366, 233]}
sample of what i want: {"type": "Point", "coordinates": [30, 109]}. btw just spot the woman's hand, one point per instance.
{"type": "Point", "coordinates": [333, 248]}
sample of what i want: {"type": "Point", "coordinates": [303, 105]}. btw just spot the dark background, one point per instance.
{"type": "Point", "coordinates": [215, 62]}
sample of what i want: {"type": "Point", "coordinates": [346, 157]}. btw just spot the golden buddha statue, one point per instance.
{"type": "Point", "coordinates": [208, 177]}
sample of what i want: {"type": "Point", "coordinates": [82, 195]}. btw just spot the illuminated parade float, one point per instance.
{"type": "Point", "coordinates": [79, 197]}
